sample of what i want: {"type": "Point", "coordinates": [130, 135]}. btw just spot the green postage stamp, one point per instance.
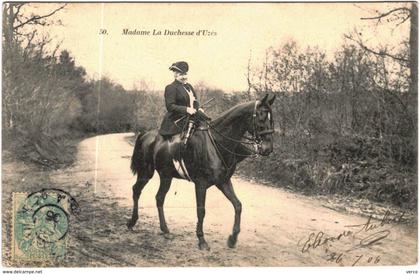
{"type": "Point", "coordinates": [40, 224]}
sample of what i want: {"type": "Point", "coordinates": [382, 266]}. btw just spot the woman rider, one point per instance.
{"type": "Point", "coordinates": [180, 100]}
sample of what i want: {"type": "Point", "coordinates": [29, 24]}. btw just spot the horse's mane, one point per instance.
{"type": "Point", "coordinates": [226, 120]}
{"type": "Point", "coordinates": [233, 113]}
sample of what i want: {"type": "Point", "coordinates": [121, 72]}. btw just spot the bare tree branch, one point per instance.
{"type": "Point", "coordinates": [18, 7]}
{"type": "Point", "coordinates": [383, 15]}
{"type": "Point", "coordinates": [248, 76]}
{"type": "Point", "coordinates": [379, 53]}
{"type": "Point", "coordinates": [402, 21]}
{"type": "Point", "coordinates": [54, 52]}
{"type": "Point", "coordinates": [35, 19]}
{"type": "Point", "coordinates": [29, 45]}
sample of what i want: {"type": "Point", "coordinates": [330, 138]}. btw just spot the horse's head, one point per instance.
{"type": "Point", "coordinates": [256, 118]}
{"type": "Point", "coordinates": [262, 125]}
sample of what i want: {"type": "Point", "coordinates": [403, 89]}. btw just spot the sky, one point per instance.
{"type": "Point", "coordinates": [240, 31]}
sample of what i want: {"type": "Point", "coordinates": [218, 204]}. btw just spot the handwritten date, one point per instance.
{"type": "Point", "coordinates": [338, 258]}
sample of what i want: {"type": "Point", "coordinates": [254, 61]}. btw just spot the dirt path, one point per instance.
{"type": "Point", "coordinates": [276, 225]}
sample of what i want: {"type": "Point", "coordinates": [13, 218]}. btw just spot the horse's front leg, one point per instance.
{"type": "Point", "coordinates": [200, 194]}
{"type": "Point", "coordinates": [227, 189]}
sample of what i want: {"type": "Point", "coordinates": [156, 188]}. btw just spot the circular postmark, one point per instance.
{"type": "Point", "coordinates": [41, 223]}
{"type": "Point", "coordinates": [51, 222]}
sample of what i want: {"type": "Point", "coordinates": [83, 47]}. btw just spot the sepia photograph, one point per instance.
{"type": "Point", "coordinates": [209, 134]}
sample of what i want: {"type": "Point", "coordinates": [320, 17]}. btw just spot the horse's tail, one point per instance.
{"type": "Point", "coordinates": [137, 158]}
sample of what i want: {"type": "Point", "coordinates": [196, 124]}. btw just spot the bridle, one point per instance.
{"type": "Point", "coordinates": [256, 138]}
{"type": "Point", "coordinates": [256, 135]}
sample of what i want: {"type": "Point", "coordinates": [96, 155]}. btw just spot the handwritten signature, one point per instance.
{"type": "Point", "coordinates": [375, 230]}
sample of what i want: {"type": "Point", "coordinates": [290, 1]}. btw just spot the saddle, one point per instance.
{"type": "Point", "coordinates": [196, 121]}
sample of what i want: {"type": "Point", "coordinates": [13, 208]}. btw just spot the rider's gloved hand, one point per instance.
{"type": "Point", "coordinates": [202, 115]}
{"type": "Point", "coordinates": [191, 111]}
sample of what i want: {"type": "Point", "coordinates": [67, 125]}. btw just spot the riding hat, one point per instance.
{"type": "Point", "coordinates": [180, 66]}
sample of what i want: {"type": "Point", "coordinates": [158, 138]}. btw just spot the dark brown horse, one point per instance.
{"type": "Point", "coordinates": [210, 158]}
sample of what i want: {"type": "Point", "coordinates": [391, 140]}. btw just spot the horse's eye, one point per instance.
{"type": "Point", "coordinates": [264, 117]}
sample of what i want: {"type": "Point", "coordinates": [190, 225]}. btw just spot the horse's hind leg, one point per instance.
{"type": "Point", "coordinates": [142, 165]}
{"type": "Point", "coordinates": [137, 188]}
{"type": "Point", "coordinates": [165, 184]}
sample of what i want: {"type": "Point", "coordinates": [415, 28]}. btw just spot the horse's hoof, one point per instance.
{"type": "Point", "coordinates": [130, 225]}
{"type": "Point", "coordinates": [165, 230]}
{"type": "Point", "coordinates": [231, 242]}
{"type": "Point", "coordinates": [203, 246]}
{"type": "Point", "coordinates": [168, 236]}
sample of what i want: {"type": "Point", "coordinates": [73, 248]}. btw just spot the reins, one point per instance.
{"type": "Point", "coordinates": [255, 140]}
{"type": "Point", "coordinates": [250, 142]}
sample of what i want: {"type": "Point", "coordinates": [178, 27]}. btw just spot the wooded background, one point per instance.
{"type": "Point", "coordinates": [346, 125]}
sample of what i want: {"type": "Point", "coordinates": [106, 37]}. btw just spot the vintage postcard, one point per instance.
{"type": "Point", "coordinates": [165, 134]}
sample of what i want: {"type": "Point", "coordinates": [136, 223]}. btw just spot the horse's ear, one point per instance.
{"type": "Point", "coordinates": [268, 99]}
{"type": "Point", "coordinates": [271, 98]}
{"type": "Point", "coordinates": [264, 99]}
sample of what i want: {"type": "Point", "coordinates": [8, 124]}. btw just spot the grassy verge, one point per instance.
{"type": "Point", "coordinates": [350, 168]}
{"type": "Point", "coordinates": [46, 152]}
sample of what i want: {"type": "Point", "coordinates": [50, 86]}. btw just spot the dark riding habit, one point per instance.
{"type": "Point", "coordinates": [177, 101]}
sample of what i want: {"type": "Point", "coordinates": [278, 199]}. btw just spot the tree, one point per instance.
{"type": "Point", "coordinates": [20, 44]}
{"type": "Point", "coordinates": [407, 57]}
